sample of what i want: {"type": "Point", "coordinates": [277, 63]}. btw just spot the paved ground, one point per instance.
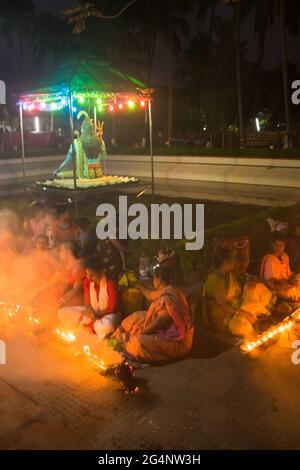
{"type": "Point", "coordinates": [215, 399]}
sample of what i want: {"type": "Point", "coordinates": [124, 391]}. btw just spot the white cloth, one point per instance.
{"type": "Point", "coordinates": [105, 325]}
{"type": "Point", "coordinates": [75, 316]}
{"type": "Point", "coordinates": [100, 303]}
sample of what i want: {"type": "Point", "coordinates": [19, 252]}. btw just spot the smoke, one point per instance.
{"type": "Point", "coordinates": [33, 279]}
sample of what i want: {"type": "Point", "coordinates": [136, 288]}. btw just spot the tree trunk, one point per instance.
{"type": "Point", "coordinates": [259, 74]}
{"type": "Point", "coordinates": [171, 60]}
{"type": "Point", "coordinates": [211, 24]}
{"type": "Point", "coordinates": [284, 55]}
{"type": "Point", "coordinates": [151, 53]}
{"type": "Point", "coordinates": [239, 70]}
{"type": "Point", "coordinates": [21, 59]}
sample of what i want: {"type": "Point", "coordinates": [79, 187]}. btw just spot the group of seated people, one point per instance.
{"type": "Point", "coordinates": [233, 301]}
{"type": "Point", "coordinates": [78, 287]}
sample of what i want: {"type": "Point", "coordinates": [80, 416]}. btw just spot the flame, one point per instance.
{"type": "Point", "coordinates": [266, 336]}
{"type": "Point", "coordinates": [93, 357]}
{"type": "Point", "coordinates": [68, 337]}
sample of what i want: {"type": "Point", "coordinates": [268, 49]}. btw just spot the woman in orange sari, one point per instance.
{"type": "Point", "coordinates": [163, 332]}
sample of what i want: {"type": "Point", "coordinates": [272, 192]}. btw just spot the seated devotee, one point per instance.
{"type": "Point", "coordinates": [163, 332]}
{"type": "Point", "coordinates": [9, 231]}
{"type": "Point", "coordinates": [62, 229]}
{"type": "Point", "coordinates": [167, 256]}
{"type": "Point", "coordinates": [275, 266]}
{"type": "Point", "coordinates": [37, 220]}
{"type": "Point", "coordinates": [112, 252]}
{"type": "Point", "coordinates": [41, 244]}
{"type": "Point", "coordinates": [227, 305]}
{"type": "Point", "coordinates": [65, 287]}
{"type": "Point", "coordinates": [293, 247]}
{"type": "Point", "coordinates": [85, 234]}
{"type": "Point", "coordinates": [99, 311]}
{"type": "Point", "coordinates": [34, 220]}
{"type": "Point", "coordinates": [275, 270]}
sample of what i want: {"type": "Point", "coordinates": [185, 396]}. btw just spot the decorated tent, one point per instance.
{"type": "Point", "coordinates": [85, 79]}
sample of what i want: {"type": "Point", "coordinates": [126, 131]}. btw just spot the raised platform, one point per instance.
{"type": "Point", "coordinates": [81, 184]}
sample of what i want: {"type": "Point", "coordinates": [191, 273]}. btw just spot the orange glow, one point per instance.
{"type": "Point", "coordinates": [266, 336]}
{"type": "Point", "coordinates": [68, 337]}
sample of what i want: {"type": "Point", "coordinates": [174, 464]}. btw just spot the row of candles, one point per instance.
{"type": "Point", "coordinates": [69, 338]}
{"type": "Point", "coordinates": [272, 332]}
{"type": "Point", "coordinates": [12, 311]}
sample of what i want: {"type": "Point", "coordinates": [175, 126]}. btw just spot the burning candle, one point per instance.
{"type": "Point", "coordinates": [68, 337]}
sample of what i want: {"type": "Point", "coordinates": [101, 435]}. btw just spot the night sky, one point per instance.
{"type": "Point", "coordinates": [271, 60]}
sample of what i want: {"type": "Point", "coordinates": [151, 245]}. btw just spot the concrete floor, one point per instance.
{"type": "Point", "coordinates": [215, 399]}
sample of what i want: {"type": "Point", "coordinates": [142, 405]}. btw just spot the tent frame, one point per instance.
{"type": "Point", "coordinates": [70, 99]}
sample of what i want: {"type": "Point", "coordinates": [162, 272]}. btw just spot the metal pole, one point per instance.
{"type": "Point", "coordinates": [22, 145]}
{"type": "Point", "coordinates": [95, 118]}
{"type": "Point", "coordinates": [73, 150]}
{"type": "Point", "coordinates": [151, 147]}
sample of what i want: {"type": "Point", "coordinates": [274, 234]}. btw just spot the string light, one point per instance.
{"type": "Point", "coordinates": [62, 101]}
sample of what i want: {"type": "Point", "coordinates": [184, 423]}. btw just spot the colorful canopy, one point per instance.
{"type": "Point", "coordinates": [87, 78]}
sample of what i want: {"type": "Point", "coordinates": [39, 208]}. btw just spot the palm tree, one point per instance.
{"type": "Point", "coordinates": [288, 14]}
{"type": "Point", "coordinates": [167, 20]}
{"type": "Point", "coordinates": [147, 20]}
{"type": "Point", "coordinates": [52, 38]}
{"type": "Point", "coordinates": [177, 26]}
{"type": "Point", "coordinates": [18, 18]}
{"type": "Point", "coordinates": [284, 54]}
{"type": "Point", "coordinates": [236, 4]}
{"type": "Point", "coordinates": [204, 8]}
{"type": "Point", "coordinates": [263, 19]}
